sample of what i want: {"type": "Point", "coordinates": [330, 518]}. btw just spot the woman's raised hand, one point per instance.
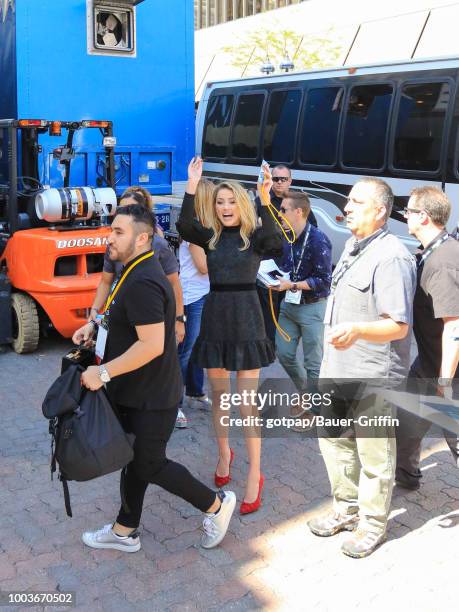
{"type": "Point", "coordinates": [195, 170]}
{"type": "Point", "coordinates": [264, 189]}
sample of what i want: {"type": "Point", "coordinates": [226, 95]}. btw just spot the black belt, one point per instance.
{"type": "Point", "coordinates": [311, 300]}
{"type": "Point", "coordinates": [234, 287]}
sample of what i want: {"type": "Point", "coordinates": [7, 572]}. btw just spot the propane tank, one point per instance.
{"type": "Point", "coordinates": [75, 203]}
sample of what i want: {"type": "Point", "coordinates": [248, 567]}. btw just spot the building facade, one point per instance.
{"type": "Point", "coordinates": [209, 13]}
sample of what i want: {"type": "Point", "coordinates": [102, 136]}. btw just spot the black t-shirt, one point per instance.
{"type": "Point", "coordinates": [144, 298]}
{"type": "Point", "coordinates": [437, 296]}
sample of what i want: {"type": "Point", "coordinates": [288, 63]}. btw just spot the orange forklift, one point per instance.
{"type": "Point", "coordinates": [52, 239]}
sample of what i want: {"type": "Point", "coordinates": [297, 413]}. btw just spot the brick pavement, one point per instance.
{"type": "Point", "coordinates": [268, 561]}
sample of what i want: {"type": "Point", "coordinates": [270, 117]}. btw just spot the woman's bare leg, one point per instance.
{"type": "Point", "coordinates": [219, 379]}
{"type": "Point", "coordinates": [247, 380]}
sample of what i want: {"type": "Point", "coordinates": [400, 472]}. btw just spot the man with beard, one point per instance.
{"type": "Point", "coordinates": [141, 370]}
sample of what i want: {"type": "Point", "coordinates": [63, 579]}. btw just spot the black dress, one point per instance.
{"type": "Point", "coordinates": [232, 334]}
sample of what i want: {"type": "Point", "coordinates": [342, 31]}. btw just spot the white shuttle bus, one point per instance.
{"type": "Point", "coordinates": [331, 127]}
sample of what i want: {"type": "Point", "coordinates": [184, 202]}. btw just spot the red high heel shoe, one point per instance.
{"type": "Point", "coordinates": [221, 481]}
{"type": "Point", "coordinates": [248, 507]}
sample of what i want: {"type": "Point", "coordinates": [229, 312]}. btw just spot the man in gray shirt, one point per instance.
{"type": "Point", "coordinates": [367, 336]}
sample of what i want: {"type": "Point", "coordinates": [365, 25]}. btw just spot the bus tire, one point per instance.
{"type": "Point", "coordinates": [26, 328]}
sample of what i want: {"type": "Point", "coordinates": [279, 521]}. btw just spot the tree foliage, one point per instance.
{"type": "Point", "coordinates": [306, 51]}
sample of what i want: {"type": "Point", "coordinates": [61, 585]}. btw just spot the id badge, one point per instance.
{"type": "Point", "coordinates": [329, 311]}
{"type": "Point", "coordinates": [293, 297]}
{"type": "Point", "coordinates": [101, 342]}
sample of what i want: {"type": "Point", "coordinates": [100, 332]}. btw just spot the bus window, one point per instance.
{"type": "Point", "coordinates": [280, 128]}
{"type": "Point", "coordinates": [217, 126]}
{"type": "Point", "coordinates": [420, 126]}
{"type": "Point", "coordinates": [246, 128]}
{"type": "Point", "coordinates": [366, 124]}
{"type": "Point", "coordinates": [319, 132]}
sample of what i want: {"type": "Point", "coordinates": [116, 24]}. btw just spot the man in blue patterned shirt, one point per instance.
{"type": "Point", "coordinates": [302, 311]}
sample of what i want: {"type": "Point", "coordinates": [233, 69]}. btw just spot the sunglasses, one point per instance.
{"type": "Point", "coordinates": [408, 211]}
{"type": "Point", "coordinates": [280, 179]}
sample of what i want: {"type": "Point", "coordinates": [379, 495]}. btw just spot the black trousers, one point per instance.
{"type": "Point", "coordinates": [152, 430]}
{"type": "Point", "coordinates": [410, 433]}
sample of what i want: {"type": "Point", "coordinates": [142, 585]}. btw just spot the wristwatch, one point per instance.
{"type": "Point", "coordinates": [91, 311]}
{"type": "Point", "coordinates": [181, 318]}
{"type": "Point", "coordinates": [104, 375]}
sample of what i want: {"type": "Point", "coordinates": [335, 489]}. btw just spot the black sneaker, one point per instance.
{"type": "Point", "coordinates": [411, 485]}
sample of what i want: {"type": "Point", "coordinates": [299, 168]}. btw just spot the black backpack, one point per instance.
{"type": "Point", "coordinates": [87, 439]}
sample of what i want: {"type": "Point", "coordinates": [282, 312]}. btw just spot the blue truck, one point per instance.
{"type": "Point", "coordinates": [124, 68]}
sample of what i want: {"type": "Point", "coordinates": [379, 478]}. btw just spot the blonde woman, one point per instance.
{"type": "Point", "coordinates": [232, 337]}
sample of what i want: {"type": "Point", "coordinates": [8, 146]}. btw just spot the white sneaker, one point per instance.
{"type": "Point", "coordinates": [181, 421]}
{"type": "Point", "coordinates": [204, 402]}
{"type": "Point", "coordinates": [106, 538]}
{"type": "Point", "coordinates": [215, 526]}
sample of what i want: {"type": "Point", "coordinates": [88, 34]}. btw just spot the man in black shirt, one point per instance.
{"type": "Point", "coordinates": [282, 181]}
{"type": "Point", "coordinates": [140, 367]}
{"type": "Point", "coordinates": [436, 317]}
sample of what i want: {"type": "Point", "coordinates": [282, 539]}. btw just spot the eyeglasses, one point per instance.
{"type": "Point", "coordinates": [280, 179]}
{"type": "Point", "coordinates": [407, 211]}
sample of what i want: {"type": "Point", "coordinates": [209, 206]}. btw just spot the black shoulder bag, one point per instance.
{"type": "Point", "coordinates": [87, 439]}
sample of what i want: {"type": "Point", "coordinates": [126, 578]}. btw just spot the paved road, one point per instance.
{"type": "Point", "coordinates": [268, 561]}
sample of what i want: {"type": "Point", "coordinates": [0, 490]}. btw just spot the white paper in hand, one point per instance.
{"type": "Point", "coordinates": [269, 273]}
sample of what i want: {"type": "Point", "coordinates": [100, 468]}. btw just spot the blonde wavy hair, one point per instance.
{"type": "Point", "coordinates": [203, 201]}
{"type": "Point", "coordinates": [246, 210]}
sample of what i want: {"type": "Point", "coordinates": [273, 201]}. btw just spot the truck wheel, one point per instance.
{"type": "Point", "coordinates": [26, 329]}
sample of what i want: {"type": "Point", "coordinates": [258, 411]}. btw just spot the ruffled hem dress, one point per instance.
{"type": "Point", "coordinates": [232, 333]}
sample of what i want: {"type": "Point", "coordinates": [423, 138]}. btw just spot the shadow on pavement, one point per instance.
{"type": "Point", "coordinates": [268, 560]}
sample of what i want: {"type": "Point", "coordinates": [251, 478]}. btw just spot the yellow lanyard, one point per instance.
{"type": "Point", "coordinates": [282, 332]}
{"type": "Point", "coordinates": [111, 297]}
{"type": "Point", "coordinates": [275, 214]}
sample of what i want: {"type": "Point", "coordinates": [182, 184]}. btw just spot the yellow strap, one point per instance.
{"type": "Point", "coordinates": [283, 333]}
{"type": "Point", "coordinates": [111, 297]}
{"type": "Point", "coordinates": [275, 215]}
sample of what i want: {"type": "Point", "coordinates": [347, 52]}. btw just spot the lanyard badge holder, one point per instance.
{"type": "Point", "coordinates": [104, 318]}
{"type": "Point", "coordinates": [341, 272]}
{"type": "Point", "coordinates": [274, 214]}
{"type": "Point", "coordinates": [102, 333]}
{"type": "Point", "coordinates": [294, 297]}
